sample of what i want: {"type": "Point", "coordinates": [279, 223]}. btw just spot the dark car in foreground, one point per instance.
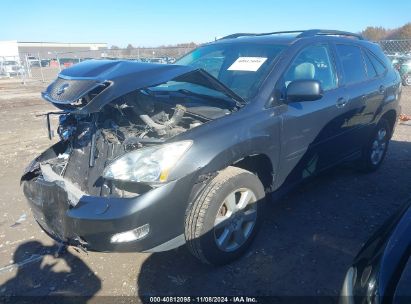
{"type": "Point", "coordinates": [381, 271]}
{"type": "Point", "coordinates": [153, 156]}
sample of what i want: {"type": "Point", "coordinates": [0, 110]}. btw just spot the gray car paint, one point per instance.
{"type": "Point", "coordinates": [284, 132]}
{"type": "Point", "coordinates": [290, 135]}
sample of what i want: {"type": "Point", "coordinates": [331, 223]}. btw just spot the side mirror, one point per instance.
{"type": "Point", "coordinates": [304, 90]}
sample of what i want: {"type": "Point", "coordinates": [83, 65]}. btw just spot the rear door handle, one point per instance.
{"type": "Point", "coordinates": [341, 102]}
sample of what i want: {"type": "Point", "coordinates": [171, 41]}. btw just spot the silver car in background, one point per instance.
{"type": "Point", "coordinates": [10, 68]}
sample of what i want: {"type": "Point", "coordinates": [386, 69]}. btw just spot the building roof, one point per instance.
{"type": "Point", "coordinates": [95, 45]}
{"type": "Point", "coordinates": [48, 50]}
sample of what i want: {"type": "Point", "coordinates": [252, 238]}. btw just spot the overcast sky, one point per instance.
{"type": "Point", "coordinates": [152, 23]}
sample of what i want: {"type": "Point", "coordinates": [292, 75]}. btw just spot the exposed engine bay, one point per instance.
{"type": "Point", "coordinates": [111, 109]}
{"type": "Point", "coordinates": [138, 119]}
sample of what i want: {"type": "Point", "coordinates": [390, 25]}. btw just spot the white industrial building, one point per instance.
{"type": "Point", "coordinates": [12, 50]}
{"type": "Point", "coordinates": [9, 50]}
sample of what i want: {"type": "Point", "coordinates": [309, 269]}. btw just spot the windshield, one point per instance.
{"type": "Point", "coordinates": [184, 88]}
{"type": "Point", "coordinates": [191, 87]}
{"type": "Point", "coordinates": [240, 66]}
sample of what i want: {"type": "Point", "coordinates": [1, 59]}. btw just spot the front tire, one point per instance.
{"type": "Point", "coordinates": [375, 150]}
{"type": "Point", "coordinates": [224, 218]}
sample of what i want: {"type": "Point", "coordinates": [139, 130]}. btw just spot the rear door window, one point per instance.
{"type": "Point", "coordinates": [352, 63]}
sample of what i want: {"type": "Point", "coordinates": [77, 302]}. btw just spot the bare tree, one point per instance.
{"type": "Point", "coordinates": [375, 33]}
{"type": "Point", "coordinates": [403, 32]}
{"type": "Point", "coordinates": [129, 49]}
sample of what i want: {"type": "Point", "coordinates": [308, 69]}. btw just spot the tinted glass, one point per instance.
{"type": "Point", "coordinates": [314, 62]}
{"type": "Point", "coordinates": [240, 66]}
{"type": "Point", "coordinates": [175, 86]}
{"type": "Point", "coordinates": [377, 64]}
{"type": "Point", "coordinates": [402, 293]}
{"type": "Point", "coordinates": [370, 67]}
{"type": "Point", "coordinates": [209, 61]}
{"type": "Point", "coordinates": [352, 63]}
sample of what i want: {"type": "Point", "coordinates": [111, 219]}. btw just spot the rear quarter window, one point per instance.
{"type": "Point", "coordinates": [371, 72]}
{"type": "Point", "coordinates": [376, 50]}
{"type": "Point", "coordinates": [379, 66]}
{"type": "Point", "coordinates": [352, 63]}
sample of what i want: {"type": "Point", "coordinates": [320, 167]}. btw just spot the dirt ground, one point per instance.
{"type": "Point", "coordinates": [306, 244]}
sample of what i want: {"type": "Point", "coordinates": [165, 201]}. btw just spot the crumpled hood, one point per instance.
{"type": "Point", "coordinates": [117, 78]}
{"type": "Point", "coordinates": [117, 69]}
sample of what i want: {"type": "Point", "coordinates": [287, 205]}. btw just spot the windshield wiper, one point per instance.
{"type": "Point", "coordinates": [205, 96]}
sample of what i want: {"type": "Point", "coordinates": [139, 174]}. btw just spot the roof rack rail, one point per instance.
{"type": "Point", "coordinates": [316, 32]}
{"type": "Point", "coordinates": [303, 34]}
{"type": "Point", "coordinates": [258, 34]}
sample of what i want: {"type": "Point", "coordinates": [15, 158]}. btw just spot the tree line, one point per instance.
{"type": "Point", "coordinates": [191, 45]}
{"type": "Point", "coordinates": [376, 33]}
{"type": "Point", "coordinates": [373, 33]}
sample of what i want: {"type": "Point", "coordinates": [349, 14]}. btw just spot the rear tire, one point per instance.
{"type": "Point", "coordinates": [224, 218]}
{"type": "Point", "coordinates": [374, 152]}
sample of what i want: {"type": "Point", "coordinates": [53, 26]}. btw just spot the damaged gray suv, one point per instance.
{"type": "Point", "coordinates": [154, 156]}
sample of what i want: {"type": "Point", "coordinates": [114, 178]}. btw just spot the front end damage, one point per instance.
{"type": "Point", "coordinates": [109, 109]}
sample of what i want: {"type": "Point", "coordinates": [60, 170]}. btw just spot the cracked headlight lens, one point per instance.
{"type": "Point", "coordinates": [151, 164]}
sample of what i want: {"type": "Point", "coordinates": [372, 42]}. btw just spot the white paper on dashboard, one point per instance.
{"type": "Point", "coordinates": [251, 64]}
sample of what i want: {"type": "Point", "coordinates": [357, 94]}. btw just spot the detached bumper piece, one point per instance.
{"type": "Point", "coordinates": [107, 224]}
{"type": "Point", "coordinates": [49, 204]}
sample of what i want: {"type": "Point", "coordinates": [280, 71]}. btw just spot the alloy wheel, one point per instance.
{"type": "Point", "coordinates": [235, 219]}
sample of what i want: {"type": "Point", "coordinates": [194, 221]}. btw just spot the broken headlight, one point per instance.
{"type": "Point", "coordinates": [152, 164]}
{"type": "Point", "coordinates": [66, 127]}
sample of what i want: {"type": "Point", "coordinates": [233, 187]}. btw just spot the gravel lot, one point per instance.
{"type": "Point", "coordinates": [305, 246]}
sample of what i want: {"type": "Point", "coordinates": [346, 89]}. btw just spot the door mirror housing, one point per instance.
{"type": "Point", "coordinates": [304, 90]}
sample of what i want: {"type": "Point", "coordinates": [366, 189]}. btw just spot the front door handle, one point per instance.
{"type": "Point", "coordinates": [341, 102]}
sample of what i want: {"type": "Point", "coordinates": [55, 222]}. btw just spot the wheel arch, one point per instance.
{"type": "Point", "coordinates": [260, 165]}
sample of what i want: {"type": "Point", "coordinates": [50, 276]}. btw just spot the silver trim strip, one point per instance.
{"type": "Point", "coordinates": [171, 244]}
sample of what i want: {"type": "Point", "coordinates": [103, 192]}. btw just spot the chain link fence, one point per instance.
{"type": "Point", "coordinates": [399, 52]}
{"type": "Point", "coordinates": [45, 65]}
{"type": "Point", "coordinates": [396, 47]}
